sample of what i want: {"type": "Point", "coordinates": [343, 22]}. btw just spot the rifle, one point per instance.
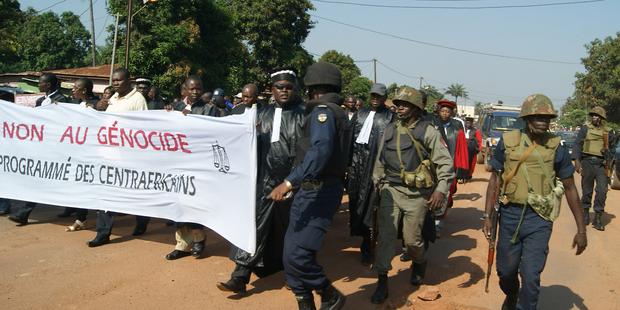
{"type": "Point", "coordinates": [494, 216]}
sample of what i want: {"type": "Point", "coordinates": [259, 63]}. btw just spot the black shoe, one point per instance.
{"type": "Point", "coordinates": [305, 302]}
{"type": "Point", "coordinates": [331, 298]}
{"type": "Point", "coordinates": [586, 216]}
{"type": "Point", "coordinates": [510, 302]}
{"type": "Point", "coordinates": [198, 248]}
{"type": "Point", "coordinates": [405, 257]}
{"type": "Point", "coordinates": [176, 254]}
{"type": "Point", "coordinates": [20, 220]}
{"type": "Point", "coordinates": [381, 293]}
{"type": "Point", "coordinates": [139, 230]}
{"type": "Point", "coordinates": [417, 274]}
{"type": "Point", "coordinates": [598, 222]}
{"type": "Point", "coordinates": [66, 213]}
{"type": "Point", "coordinates": [99, 241]}
{"type": "Point", "coordinates": [234, 285]}
{"type": "Point", "coordinates": [366, 259]}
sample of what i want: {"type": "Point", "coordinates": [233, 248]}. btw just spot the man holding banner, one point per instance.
{"type": "Point", "coordinates": [279, 132]}
{"type": "Point", "coordinates": [125, 99]}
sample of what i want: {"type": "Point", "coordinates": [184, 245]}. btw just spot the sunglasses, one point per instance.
{"type": "Point", "coordinates": [283, 86]}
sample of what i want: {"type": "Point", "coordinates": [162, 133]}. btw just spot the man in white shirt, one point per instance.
{"type": "Point", "coordinates": [125, 99]}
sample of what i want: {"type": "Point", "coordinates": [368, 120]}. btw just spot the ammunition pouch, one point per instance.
{"type": "Point", "coordinates": [423, 177]}
{"type": "Point", "coordinates": [547, 206]}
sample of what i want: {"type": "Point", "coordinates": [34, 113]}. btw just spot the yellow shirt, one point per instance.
{"type": "Point", "coordinates": [133, 101]}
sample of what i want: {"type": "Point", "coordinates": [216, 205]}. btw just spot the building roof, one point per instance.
{"type": "Point", "coordinates": [97, 72]}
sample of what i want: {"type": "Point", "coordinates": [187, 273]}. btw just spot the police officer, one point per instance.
{"type": "Point", "coordinates": [404, 153]}
{"type": "Point", "coordinates": [590, 148]}
{"type": "Point", "coordinates": [526, 166]}
{"type": "Point", "coordinates": [318, 180]}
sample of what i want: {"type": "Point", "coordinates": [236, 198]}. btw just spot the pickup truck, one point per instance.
{"type": "Point", "coordinates": [493, 123]}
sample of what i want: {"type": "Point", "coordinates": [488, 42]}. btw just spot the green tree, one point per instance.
{"type": "Point", "coordinates": [10, 19]}
{"type": "Point", "coordinates": [478, 107]}
{"type": "Point", "coordinates": [359, 87]}
{"type": "Point", "coordinates": [345, 63]}
{"type": "Point", "coordinates": [457, 90]}
{"type": "Point", "coordinates": [599, 85]}
{"type": "Point", "coordinates": [573, 118]}
{"type": "Point", "coordinates": [44, 41]}
{"type": "Point", "coordinates": [272, 32]}
{"type": "Point", "coordinates": [173, 39]}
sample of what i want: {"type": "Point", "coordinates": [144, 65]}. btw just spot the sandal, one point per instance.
{"type": "Point", "coordinates": [78, 225]}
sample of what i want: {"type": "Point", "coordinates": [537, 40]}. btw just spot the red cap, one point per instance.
{"type": "Point", "coordinates": [446, 103]}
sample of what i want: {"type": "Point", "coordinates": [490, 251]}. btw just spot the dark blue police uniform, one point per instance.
{"type": "Point", "coordinates": [527, 256]}
{"type": "Point", "coordinates": [319, 194]}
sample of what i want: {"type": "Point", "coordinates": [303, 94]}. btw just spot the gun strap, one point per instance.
{"type": "Point", "coordinates": [522, 159]}
{"type": "Point", "coordinates": [418, 146]}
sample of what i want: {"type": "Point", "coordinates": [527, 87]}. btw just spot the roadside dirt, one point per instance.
{"type": "Point", "coordinates": [44, 267]}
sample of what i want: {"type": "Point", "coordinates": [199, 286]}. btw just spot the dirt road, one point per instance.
{"type": "Point", "coordinates": [43, 267]}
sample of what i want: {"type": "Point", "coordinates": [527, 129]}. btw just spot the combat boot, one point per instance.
{"type": "Point", "coordinates": [598, 222]}
{"type": "Point", "coordinates": [331, 298]}
{"type": "Point", "coordinates": [305, 302]}
{"type": "Point", "coordinates": [417, 273]}
{"type": "Point", "coordinates": [381, 293]}
{"type": "Point", "coordinates": [586, 216]}
{"type": "Point", "coordinates": [510, 302]}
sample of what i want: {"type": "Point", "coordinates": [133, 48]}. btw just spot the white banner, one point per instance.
{"type": "Point", "coordinates": [154, 163]}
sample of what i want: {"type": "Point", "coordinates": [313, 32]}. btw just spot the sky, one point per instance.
{"type": "Point", "coordinates": [556, 33]}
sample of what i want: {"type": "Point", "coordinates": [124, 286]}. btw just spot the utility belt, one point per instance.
{"type": "Point", "coordinates": [592, 158]}
{"type": "Point", "coordinates": [318, 184]}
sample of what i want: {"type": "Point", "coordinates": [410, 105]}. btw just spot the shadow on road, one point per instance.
{"type": "Point", "coordinates": [470, 197]}
{"type": "Point", "coordinates": [607, 218]}
{"type": "Point", "coordinates": [559, 297]}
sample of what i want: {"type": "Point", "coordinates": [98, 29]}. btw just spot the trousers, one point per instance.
{"type": "Point", "coordinates": [105, 221]}
{"type": "Point", "coordinates": [394, 201]}
{"type": "Point", "coordinates": [526, 257]}
{"type": "Point", "coordinates": [593, 170]}
{"type": "Point", "coordinates": [311, 215]}
{"type": "Point", "coordinates": [186, 234]}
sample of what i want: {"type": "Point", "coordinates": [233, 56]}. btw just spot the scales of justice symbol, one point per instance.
{"type": "Point", "coordinates": [220, 158]}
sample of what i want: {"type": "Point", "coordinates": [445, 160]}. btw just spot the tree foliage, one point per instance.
{"type": "Point", "coordinates": [345, 63]}
{"type": "Point", "coordinates": [41, 41]}
{"type": "Point", "coordinates": [359, 87]}
{"type": "Point", "coordinates": [600, 84]}
{"type": "Point", "coordinates": [272, 32]}
{"type": "Point", "coordinates": [572, 119]}
{"type": "Point", "coordinates": [457, 91]}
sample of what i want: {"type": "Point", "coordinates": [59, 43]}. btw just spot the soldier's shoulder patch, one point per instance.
{"type": "Point", "coordinates": [322, 117]}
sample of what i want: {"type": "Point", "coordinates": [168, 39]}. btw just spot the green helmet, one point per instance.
{"type": "Point", "coordinates": [599, 111]}
{"type": "Point", "coordinates": [410, 95]}
{"type": "Point", "coordinates": [537, 104]}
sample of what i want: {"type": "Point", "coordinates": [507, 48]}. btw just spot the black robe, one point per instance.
{"type": "Point", "coordinates": [359, 184]}
{"type": "Point", "coordinates": [275, 162]}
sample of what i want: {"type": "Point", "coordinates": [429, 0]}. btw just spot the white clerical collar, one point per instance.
{"type": "Point", "coordinates": [51, 94]}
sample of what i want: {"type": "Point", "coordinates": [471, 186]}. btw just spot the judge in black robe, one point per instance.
{"type": "Point", "coordinates": [275, 162]}
{"type": "Point", "coordinates": [359, 184]}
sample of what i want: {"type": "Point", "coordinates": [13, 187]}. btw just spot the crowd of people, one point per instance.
{"type": "Point", "coordinates": [399, 165]}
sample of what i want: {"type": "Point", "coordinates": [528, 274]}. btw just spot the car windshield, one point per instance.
{"type": "Point", "coordinates": [506, 122]}
{"type": "Point", "coordinates": [568, 137]}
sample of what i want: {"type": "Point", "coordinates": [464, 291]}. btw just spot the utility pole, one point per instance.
{"type": "Point", "coordinates": [374, 61]}
{"type": "Point", "coordinates": [128, 32]}
{"type": "Point", "coordinates": [114, 48]}
{"type": "Point", "coordinates": [421, 81]}
{"type": "Point", "coordinates": [92, 32]}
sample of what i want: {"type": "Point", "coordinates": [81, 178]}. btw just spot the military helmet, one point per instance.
{"type": "Point", "coordinates": [323, 73]}
{"type": "Point", "coordinates": [537, 104]}
{"type": "Point", "coordinates": [410, 95]}
{"type": "Point", "coordinates": [599, 111]}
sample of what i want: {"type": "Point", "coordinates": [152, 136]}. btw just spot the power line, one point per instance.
{"type": "Point", "coordinates": [448, 47]}
{"type": "Point", "coordinates": [51, 6]}
{"type": "Point", "coordinates": [88, 8]}
{"type": "Point", "coordinates": [509, 6]}
{"type": "Point", "coordinates": [105, 24]}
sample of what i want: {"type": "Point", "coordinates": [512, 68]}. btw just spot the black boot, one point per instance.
{"type": "Point", "coordinates": [99, 240]}
{"type": "Point", "coordinates": [417, 273]}
{"type": "Point", "coordinates": [510, 302]}
{"type": "Point", "coordinates": [381, 293]}
{"type": "Point", "coordinates": [20, 220]}
{"type": "Point", "coordinates": [366, 254]}
{"type": "Point", "coordinates": [598, 222]}
{"type": "Point", "coordinates": [235, 285]}
{"type": "Point", "coordinates": [586, 216]}
{"type": "Point", "coordinates": [305, 302]}
{"type": "Point", "coordinates": [331, 298]}
{"type": "Point", "coordinates": [198, 248]}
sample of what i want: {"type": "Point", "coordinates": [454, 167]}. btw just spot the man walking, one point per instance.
{"type": "Point", "coordinates": [527, 165]}
{"type": "Point", "coordinates": [590, 148]}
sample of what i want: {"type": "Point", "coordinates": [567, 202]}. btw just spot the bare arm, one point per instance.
{"type": "Point", "coordinates": [572, 196]}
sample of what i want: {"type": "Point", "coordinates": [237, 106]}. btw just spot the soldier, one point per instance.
{"type": "Point", "coordinates": [322, 157]}
{"type": "Point", "coordinates": [589, 150]}
{"type": "Point", "coordinates": [403, 174]}
{"type": "Point", "coordinates": [368, 126]}
{"type": "Point", "coordinates": [527, 165]}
